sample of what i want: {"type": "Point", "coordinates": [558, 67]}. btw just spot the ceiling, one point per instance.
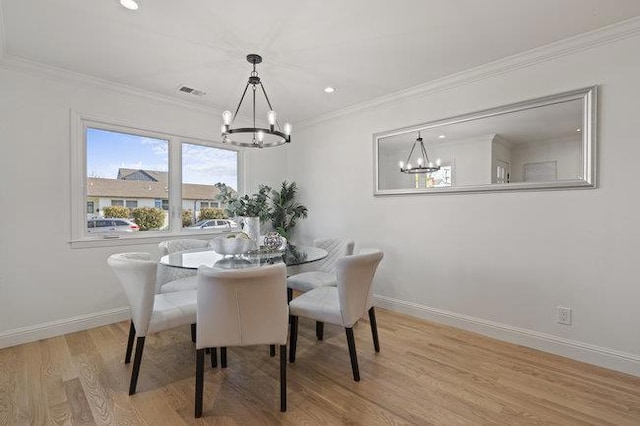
{"type": "Point", "coordinates": [552, 122]}
{"type": "Point", "coordinates": [363, 48]}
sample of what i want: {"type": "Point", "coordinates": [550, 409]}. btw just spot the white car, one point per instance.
{"type": "Point", "coordinates": [215, 224]}
{"type": "Point", "coordinates": [104, 225]}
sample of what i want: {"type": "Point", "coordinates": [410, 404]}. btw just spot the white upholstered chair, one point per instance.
{"type": "Point", "coordinates": [170, 279]}
{"type": "Point", "coordinates": [177, 279]}
{"type": "Point", "coordinates": [343, 305]}
{"type": "Point", "coordinates": [323, 273]}
{"type": "Point", "coordinates": [241, 308]}
{"type": "Point", "coordinates": [150, 312]}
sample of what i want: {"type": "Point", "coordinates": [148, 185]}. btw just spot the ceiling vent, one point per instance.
{"type": "Point", "coordinates": [191, 91]}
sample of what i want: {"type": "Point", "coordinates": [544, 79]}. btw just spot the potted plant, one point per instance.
{"type": "Point", "coordinates": [285, 209]}
{"type": "Point", "coordinates": [251, 208]}
{"type": "Point", "coordinates": [281, 207]}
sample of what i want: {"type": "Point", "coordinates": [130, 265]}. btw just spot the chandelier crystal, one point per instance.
{"type": "Point", "coordinates": [423, 164]}
{"type": "Point", "coordinates": [255, 137]}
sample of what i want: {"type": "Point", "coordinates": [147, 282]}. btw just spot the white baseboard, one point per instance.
{"type": "Point", "coordinates": [597, 355]}
{"type": "Point", "coordinates": [32, 333]}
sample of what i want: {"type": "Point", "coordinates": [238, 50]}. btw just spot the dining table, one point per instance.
{"type": "Point", "coordinates": [292, 255]}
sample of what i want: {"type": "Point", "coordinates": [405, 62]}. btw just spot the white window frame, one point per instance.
{"type": "Point", "coordinates": [80, 122]}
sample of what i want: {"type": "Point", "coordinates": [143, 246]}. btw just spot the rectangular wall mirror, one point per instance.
{"type": "Point", "coordinates": [544, 143]}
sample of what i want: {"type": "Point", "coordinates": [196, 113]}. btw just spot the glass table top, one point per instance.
{"type": "Point", "coordinates": [292, 255]}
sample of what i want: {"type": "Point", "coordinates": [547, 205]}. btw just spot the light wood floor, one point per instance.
{"type": "Point", "coordinates": [425, 374]}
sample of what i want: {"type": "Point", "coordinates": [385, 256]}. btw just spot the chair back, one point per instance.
{"type": "Point", "coordinates": [172, 246]}
{"type": "Point", "coordinates": [355, 278]}
{"type": "Point", "coordinates": [166, 273]}
{"type": "Point", "coordinates": [242, 307]}
{"type": "Point", "coordinates": [137, 274]}
{"type": "Point", "coordinates": [337, 248]}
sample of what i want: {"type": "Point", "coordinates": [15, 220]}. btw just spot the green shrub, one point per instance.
{"type": "Point", "coordinates": [148, 218]}
{"type": "Point", "coordinates": [187, 218]}
{"type": "Point", "coordinates": [211, 213]}
{"type": "Point", "coordinates": [117, 211]}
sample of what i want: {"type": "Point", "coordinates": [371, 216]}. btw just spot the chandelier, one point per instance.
{"type": "Point", "coordinates": [255, 137]}
{"type": "Point", "coordinates": [423, 163]}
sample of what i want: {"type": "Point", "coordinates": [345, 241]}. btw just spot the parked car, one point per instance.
{"type": "Point", "coordinates": [215, 224]}
{"type": "Point", "coordinates": [104, 225]}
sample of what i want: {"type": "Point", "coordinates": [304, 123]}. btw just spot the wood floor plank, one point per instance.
{"type": "Point", "coordinates": [60, 414]}
{"type": "Point", "coordinates": [80, 410]}
{"type": "Point", "coordinates": [425, 374]}
{"type": "Point", "coordinates": [33, 406]}
{"type": "Point", "coordinates": [8, 383]}
{"type": "Point", "coordinates": [89, 367]}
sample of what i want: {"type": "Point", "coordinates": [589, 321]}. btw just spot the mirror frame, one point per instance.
{"type": "Point", "coordinates": [587, 95]}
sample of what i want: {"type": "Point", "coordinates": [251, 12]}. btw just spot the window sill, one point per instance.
{"type": "Point", "coordinates": [151, 238]}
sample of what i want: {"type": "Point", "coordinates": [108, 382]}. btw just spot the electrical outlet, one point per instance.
{"type": "Point", "coordinates": [563, 315]}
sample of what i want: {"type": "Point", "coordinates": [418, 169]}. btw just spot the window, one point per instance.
{"type": "Point", "coordinates": [129, 167]}
{"type": "Point", "coordinates": [126, 169]}
{"type": "Point", "coordinates": [161, 204]}
{"type": "Point", "coordinates": [202, 168]}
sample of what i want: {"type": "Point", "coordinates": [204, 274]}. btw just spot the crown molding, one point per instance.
{"type": "Point", "coordinates": [13, 63]}
{"type": "Point", "coordinates": [3, 47]}
{"type": "Point", "coordinates": [568, 46]}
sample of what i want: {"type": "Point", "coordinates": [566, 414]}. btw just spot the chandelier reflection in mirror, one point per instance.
{"type": "Point", "coordinates": [423, 164]}
{"type": "Point", "coordinates": [255, 137]}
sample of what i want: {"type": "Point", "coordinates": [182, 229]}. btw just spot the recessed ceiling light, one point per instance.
{"type": "Point", "coordinates": [442, 136]}
{"type": "Point", "coordinates": [129, 4]}
{"type": "Point", "coordinates": [578, 130]}
{"type": "Point", "coordinates": [329, 89]}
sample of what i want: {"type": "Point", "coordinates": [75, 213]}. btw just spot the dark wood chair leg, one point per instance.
{"type": "Point", "coordinates": [351, 341]}
{"type": "Point", "coordinates": [136, 365]}
{"type": "Point", "coordinates": [289, 299]}
{"type": "Point", "coordinates": [132, 337]}
{"type": "Point", "coordinates": [283, 378]}
{"type": "Point", "coordinates": [294, 338]}
{"type": "Point", "coordinates": [223, 357]}
{"type": "Point", "coordinates": [272, 350]}
{"type": "Point", "coordinates": [214, 357]}
{"type": "Point", "coordinates": [199, 381]}
{"type": "Point", "coordinates": [374, 329]}
{"type": "Point", "coordinates": [193, 333]}
{"type": "Point", "coordinates": [319, 330]}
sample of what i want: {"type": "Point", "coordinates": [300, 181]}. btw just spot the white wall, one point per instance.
{"type": "Point", "coordinates": [42, 279]}
{"type": "Point", "coordinates": [470, 159]}
{"type": "Point", "coordinates": [498, 263]}
{"type": "Point", "coordinates": [566, 152]}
